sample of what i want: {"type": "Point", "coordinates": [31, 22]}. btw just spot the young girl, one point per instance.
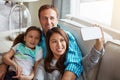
{"type": "Point", "coordinates": [25, 54]}
{"type": "Point", "coordinates": [52, 68]}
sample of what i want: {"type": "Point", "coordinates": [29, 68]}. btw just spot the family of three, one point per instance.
{"type": "Point", "coordinates": [50, 54]}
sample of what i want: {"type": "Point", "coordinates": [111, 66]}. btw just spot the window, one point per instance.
{"type": "Point", "coordinates": [95, 10]}
{"type": "Point", "coordinates": [105, 12]}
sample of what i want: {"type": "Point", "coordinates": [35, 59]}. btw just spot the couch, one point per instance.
{"type": "Point", "coordinates": [109, 64]}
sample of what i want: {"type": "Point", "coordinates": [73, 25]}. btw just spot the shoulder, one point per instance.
{"type": "Point", "coordinates": [18, 45]}
{"type": "Point", "coordinates": [70, 35]}
{"type": "Point", "coordinates": [67, 32]}
{"type": "Point", "coordinates": [38, 48]}
{"type": "Point", "coordinates": [39, 52]}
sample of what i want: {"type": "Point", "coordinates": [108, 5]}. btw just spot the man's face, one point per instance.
{"type": "Point", "coordinates": [48, 19]}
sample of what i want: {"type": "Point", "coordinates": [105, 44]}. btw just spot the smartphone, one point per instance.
{"type": "Point", "coordinates": [90, 33]}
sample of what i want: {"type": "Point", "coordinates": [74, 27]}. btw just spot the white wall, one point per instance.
{"type": "Point", "coordinates": [33, 7]}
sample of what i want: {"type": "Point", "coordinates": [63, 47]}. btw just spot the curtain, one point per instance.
{"type": "Point", "coordinates": [63, 7]}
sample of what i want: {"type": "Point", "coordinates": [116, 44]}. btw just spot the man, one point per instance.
{"type": "Point", "coordinates": [48, 17]}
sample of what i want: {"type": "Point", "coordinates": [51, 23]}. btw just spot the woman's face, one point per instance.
{"type": "Point", "coordinates": [32, 39]}
{"type": "Point", "coordinates": [57, 45]}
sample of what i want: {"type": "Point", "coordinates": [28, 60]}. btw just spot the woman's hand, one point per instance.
{"type": "Point", "coordinates": [99, 42]}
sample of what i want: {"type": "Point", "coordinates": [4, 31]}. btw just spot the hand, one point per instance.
{"type": "Point", "coordinates": [99, 42]}
{"type": "Point", "coordinates": [23, 77]}
{"type": "Point", "coordinates": [3, 70]}
{"type": "Point", "coordinates": [18, 71]}
{"type": "Point", "coordinates": [68, 76]}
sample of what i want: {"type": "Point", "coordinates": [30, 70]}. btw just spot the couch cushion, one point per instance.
{"type": "Point", "coordinates": [110, 64]}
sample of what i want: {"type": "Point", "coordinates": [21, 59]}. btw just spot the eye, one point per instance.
{"type": "Point", "coordinates": [44, 18]}
{"type": "Point", "coordinates": [61, 40]}
{"type": "Point", "coordinates": [53, 41]}
{"type": "Point", "coordinates": [37, 38]}
{"type": "Point", "coordinates": [52, 18]}
{"type": "Point", "coordinates": [30, 36]}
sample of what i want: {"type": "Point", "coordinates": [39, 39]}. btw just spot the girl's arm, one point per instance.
{"type": "Point", "coordinates": [7, 58]}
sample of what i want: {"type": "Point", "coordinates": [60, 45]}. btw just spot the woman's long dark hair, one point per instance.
{"type": "Point", "coordinates": [20, 37]}
{"type": "Point", "coordinates": [60, 63]}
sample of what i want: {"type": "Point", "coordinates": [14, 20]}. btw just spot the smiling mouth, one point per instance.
{"type": "Point", "coordinates": [32, 44]}
{"type": "Point", "coordinates": [60, 49]}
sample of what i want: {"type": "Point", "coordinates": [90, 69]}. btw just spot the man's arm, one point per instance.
{"type": "Point", "coordinates": [73, 58]}
{"type": "Point", "coordinates": [91, 59]}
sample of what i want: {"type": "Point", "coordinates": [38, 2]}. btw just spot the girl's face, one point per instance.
{"type": "Point", "coordinates": [32, 39]}
{"type": "Point", "coordinates": [57, 45]}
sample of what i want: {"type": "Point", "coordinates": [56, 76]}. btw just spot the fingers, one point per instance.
{"type": "Point", "coordinates": [96, 25]}
{"type": "Point", "coordinates": [18, 72]}
{"type": "Point", "coordinates": [99, 42]}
